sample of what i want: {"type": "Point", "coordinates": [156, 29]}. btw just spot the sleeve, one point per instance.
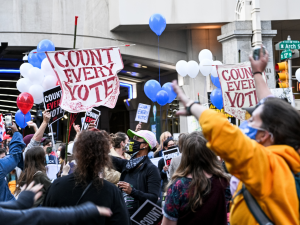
{"type": "Point", "coordinates": [172, 168]}
{"type": "Point", "coordinates": [153, 182]}
{"type": "Point", "coordinates": [25, 201]}
{"type": "Point", "coordinates": [245, 158]}
{"type": "Point", "coordinates": [44, 180]}
{"type": "Point", "coordinates": [161, 164]}
{"type": "Point", "coordinates": [112, 176]}
{"type": "Point", "coordinates": [172, 202]}
{"type": "Point", "coordinates": [32, 143]}
{"type": "Point", "coordinates": [118, 163]}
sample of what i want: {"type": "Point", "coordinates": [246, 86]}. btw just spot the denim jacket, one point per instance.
{"type": "Point", "coordinates": [8, 163]}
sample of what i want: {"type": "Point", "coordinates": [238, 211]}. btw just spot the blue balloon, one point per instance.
{"type": "Point", "coordinates": [162, 97]}
{"type": "Point", "coordinates": [33, 59]}
{"type": "Point", "coordinates": [21, 119]}
{"type": "Point", "coordinates": [215, 81]}
{"type": "Point", "coordinates": [216, 98]}
{"type": "Point", "coordinates": [44, 46]}
{"type": "Point", "coordinates": [151, 88]}
{"type": "Point", "coordinates": [157, 23]}
{"type": "Point", "coordinates": [169, 89]}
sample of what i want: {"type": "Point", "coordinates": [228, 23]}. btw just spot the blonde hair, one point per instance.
{"type": "Point", "coordinates": [162, 138]}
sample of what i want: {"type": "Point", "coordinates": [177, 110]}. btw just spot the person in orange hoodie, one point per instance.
{"type": "Point", "coordinates": [264, 161]}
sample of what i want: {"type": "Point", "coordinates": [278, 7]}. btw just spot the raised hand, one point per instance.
{"type": "Point", "coordinates": [76, 128]}
{"type": "Point", "coordinates": [46, 116]}
{"type": "Point", "coordinates": [34, 188]}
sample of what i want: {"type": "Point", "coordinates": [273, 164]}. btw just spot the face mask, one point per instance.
{"type": "Point", "coordinates": [49, 150]}
{"type": "Point", "coordinates": [250, 131]}
{"type": "Point", "coordinates": [126, 147]}
{"type": "Point", "coordinates": [135, 146]}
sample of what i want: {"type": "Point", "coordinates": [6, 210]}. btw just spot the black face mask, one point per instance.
{"type": "Point", "coordinates": [135, 146]}
{"type": "Point", "coordinates": [175, 146]}
{"type": "Point", "coordinates": [49, 150]}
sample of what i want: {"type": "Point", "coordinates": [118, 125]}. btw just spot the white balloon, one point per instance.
{"type": "Point", "coordinates": [24, 69]}
{"type": "Point", "coordinates": [182, 68]}
{"type": "Point", "coordinates": [206, 66]}
{"type": "Point", "coordinates": [38, 101]}
{"type": "Point", "coordinates": [46, 68]}
{"type": "Point", "coordinates": [193, 68]}
{"type": "Point", "coordinates": [298, 74]}
{"type": "Point", "coordinates": [23, 84]}
{"type": "Point", "coordinates": [49, 82]}
{"type": "Point", "coordinates": [205, 54]}
{"type": "Point", "coordinates": [36, 76]}
{"type": "Point", "coordinates": [36, 91]}
{"type": "Point", "coordinates": [214, 68]}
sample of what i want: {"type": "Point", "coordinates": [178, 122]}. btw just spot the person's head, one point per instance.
{"type": "Point", "coordinates": [168, 143]}
{"type": "Point", "coordinates": [197, 160]}
{"type": "Point", "coordinates": [2, 153]}
{"type": "Point", "coordinates": [91, 151]}
{"type": "Point", "coordinates": [120, 140]}
{"type": "Point", "coordinates": [111, 145]}
{"type": "Point", "coordinates": [46, 144]}
{"type": "Point", "coordinates": [164, 136]}
{"type": "Point", "coordinates": [143, 141]}
{"type": "Point", "coordinates": [181, 139]}
{"type": "Point", "coordinates": [62, 149]}
{"type": "Point", "coordinates": [277, 123]}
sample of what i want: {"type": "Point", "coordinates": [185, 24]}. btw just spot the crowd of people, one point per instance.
{"type": "Point", "coordinates": [247, 172]}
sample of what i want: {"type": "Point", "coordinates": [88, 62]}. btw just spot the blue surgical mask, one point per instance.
{"type": "Point", "coordinates": [248, 131]}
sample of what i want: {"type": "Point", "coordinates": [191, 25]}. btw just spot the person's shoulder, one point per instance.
{"type": "Point", "coordinates": [181, 182]}
{"type": "Point", "coordinates": [62, 181]}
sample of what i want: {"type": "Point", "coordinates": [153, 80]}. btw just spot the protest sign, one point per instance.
{"type": "Point", "coordinates": [142, 113]}
{"type": "Point", "coordinates": [238, 88]}
{"type": "Point", "coordinates": [169, 155]}
{"type": "Point", "coordinates": [94, 114]}
{"type": "Point", "coordinates": [148, 213]}
{"type": "Point", "coordinates": [88, 77]}
{"type": "Point", "coordinates": [284, 93]}
{"type": "Point", "coordinates": [51, 101]}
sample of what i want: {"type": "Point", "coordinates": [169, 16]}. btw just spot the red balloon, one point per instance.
{"type": "Point", "coordinates": [25, 102]}
{"type": "Point", "coordinates": [57, 83]}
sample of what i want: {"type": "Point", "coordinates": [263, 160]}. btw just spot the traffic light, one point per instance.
{"type": "Point", "coordinates": [282, 75]}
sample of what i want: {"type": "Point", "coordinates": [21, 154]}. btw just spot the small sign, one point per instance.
{"type": "Point", "coordinates": [289, 45]}
{"type": "Point", "coordinates": [142, 113]}
{"type": "Point", "coordinates": [51, 99]}
{"type": "Point", "coordinates": [94, 114]}
{"type": "Point", "coordinates": [286, 54]}
{"type": "Point", "coordinates": [169, 155]}
{"type": "Point", "coordinates": [148, 213]}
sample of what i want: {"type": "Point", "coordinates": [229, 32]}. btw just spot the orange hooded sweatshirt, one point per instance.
{"type": "Point", "coordinates": [266, 171]}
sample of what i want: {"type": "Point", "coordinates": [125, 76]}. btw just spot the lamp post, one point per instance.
{"type": "Point", "coordinates": [256, 24]}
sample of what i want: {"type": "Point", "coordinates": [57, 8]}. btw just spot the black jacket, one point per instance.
{"type": "Point", "coordinates": [164, 176]}
{"type": "Point", "coordinates": [148, 177]}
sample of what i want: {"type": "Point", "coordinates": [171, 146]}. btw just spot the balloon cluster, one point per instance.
{"type": "Point", "coordinates": [38, 73]}
{"type": "Point", "coordinates": [161, 95]}
{"type": "Point", "coordinates": [24, 103]}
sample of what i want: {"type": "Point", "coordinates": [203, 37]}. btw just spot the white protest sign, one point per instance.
{"type": "Point", "coordinates": [168, 155]}
{"type": "Point", "coordinates": [284, 93]}
{"type": "Point", "coordinates": [148, 213]}
{"type": "Point", "coordinates": [238, 88]}
{"type": "Point", "coordinates": [142, 113]}
{"type": "Point", "coordinates": [94, 114]}
{"type": "Point", "coordinates": [88, 77]}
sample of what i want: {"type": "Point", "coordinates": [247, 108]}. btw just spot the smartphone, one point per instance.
{"type": "Point", "coordinates": [256, 52]}
{"type": "Point", "coordinates": [8, 119]}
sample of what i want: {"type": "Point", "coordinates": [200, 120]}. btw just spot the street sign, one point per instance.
{"type": "Point", "coordinates": [289, 45]}
{"type": "Point", "coordinates": [286, 54]}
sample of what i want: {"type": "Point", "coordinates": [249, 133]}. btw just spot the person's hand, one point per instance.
{"type": "Point", "coordinates": [138, 127]}
{"type": "Point", "coordinates": [76, 128]}
{"type": "Point", "coordinates": [46, 116]}
{"type": "Point", "coordinates": [32, 124]}
{"type": "Point", "coordinates": [92, 124]}
{"type": "Point", "coordinates": [13, 127]}
{"type": "Point", "coordinates": [35, 189]}
{"type": "Point", "coordinates": [66, 169]}
{"type": "Point", "coordinates": [261, 64]}
{"type": "Point", "coordinates": [182, 97]}
{"type": "Point", "coordinates": [126, 187]}
{"type": "Point", "coordinates": [104, 211]}
{"type": "Point", "coordinates": [166, 168]}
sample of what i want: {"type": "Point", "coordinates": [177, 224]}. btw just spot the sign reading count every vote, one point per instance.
{"type": "Point", "coordinates": [142, 113]}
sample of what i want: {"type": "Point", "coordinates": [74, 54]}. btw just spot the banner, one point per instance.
{"type": "Point", "coordinates": [238, 88]}
{"type": "Point", "coordinates": [168, 155]}
{"type": "Point", "coordinates": [284, 93]}
{"type": "Point", "coordinates": [142, 113]}
{"type": "Point", "coordinates": [51, 101]}
{"type": "Point", "coordinates": [94, 114]}
{"type": "Point", "coordinates": [148, 213]}
{"type": "Point", "coordinates": [88, 77]}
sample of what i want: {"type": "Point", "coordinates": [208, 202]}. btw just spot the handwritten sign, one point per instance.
{"type": "Point", "coordinates": [51, 101]}
{"type": "Point", "coordinates": [88, 77]}
{"type": "Point", "coordinates": [94, 114]}
{"type": "Point", "coordinates": [148, 213]}
{"type": "Point", "coordinates": [168, 155]}
{"type": "Point", "coordinates": [142, 113]}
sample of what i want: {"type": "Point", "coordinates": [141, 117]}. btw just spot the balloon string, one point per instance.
{"type": "Point", "coordinates": [158, 61]}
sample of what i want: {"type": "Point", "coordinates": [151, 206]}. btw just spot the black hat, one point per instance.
{"type": "Point", "coordinates": [250, 110]}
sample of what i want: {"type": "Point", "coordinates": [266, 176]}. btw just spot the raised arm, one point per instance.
{"type": "Point", "coordinates": [40, 132]}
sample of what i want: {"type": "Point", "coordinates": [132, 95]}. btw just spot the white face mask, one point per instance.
{"type": "Point", "coordinates": [126, 147]}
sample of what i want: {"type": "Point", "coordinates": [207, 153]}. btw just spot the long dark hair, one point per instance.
{"type": "Point", "coordinates": [197, 160]}
{"type": "Point", "coordinates": [283, 121]}
{"type": "Point", "coordinates": [34, 161]}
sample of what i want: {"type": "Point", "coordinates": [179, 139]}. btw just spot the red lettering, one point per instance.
{"type": "Point", "coordinates": [237, 86]}
{"type": "Point", "coordinates": [96, 72]}
{"type": "Point", "coordinates": [77, 58]}
{"type": "Point", "coordinates": [223, 75]}
{"type": "Point", "coordinates": [55, 104]}
{"type": "Point", "coordinates": [248, 73]}
{"type": "Point", "coordinates": [250, 99]}
{"type": "Point", "coordinates": [244, 82]}
{"type": "Point", "coordinates": [109, 69]}
{"type": "Point", "coordinates": [86, 93]}
{"type": "Point", "coordinates": [231, 73]}
{"type": "Point", "coordinates": [238, 70]}
{"type": "Point", "coordinates": [229, 85]}
{"type": "Point", "coordinates": [96, 90]}
{"type": "Point", "coordinates": [108, 87]}
{"type": "Point", "coordinates": [93, 55]}
{"type": "Point", "coordinates": [71, 92]}
{"type": "Point", "coordinates": [58, 61]}
{"type": "Point", "coordinates": [49, 105]}
{"type": "Point", "coordinates": [87, 57]}
{"type": "Point", "coordinates": [238, 100]}
{"type": "Point", "coordinates": [86, 73]}
{"type": "Point", "coordinates": [108, 54]}
{"type": "Point", "coordinates": [77, 77]}
{"type": "Point", "coordinates": [66, 71]}
{"type": "Point", "coordinates": [229, 97]}
{"type": "Point", "coordinates": [100, 70]}
{"type": "Point", "coordinates": [251, 82]}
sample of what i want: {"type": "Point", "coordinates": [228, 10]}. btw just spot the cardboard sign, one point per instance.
{"type": "Point", "coordinates": [238, 88]}
{"type": "Point", "coordinates": [142, 113]}
{"type": "Point", "coordinates": [169, 155]}
{"type": "Point", "coordinates": [94, 114]}
{"type": "Point", "coordinates": [148, 213]}
{"type": "Point", "coordinates": [88, 77]}
{"type": "Point", "coordinates": [284, 93]}
{"type": "Point", "coordinates": [52, 99]}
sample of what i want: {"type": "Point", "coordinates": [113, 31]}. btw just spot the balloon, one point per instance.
{"type": "Point", "coordinates": [205, 54]}
{"type": "Point", "coordinates": [36, 76]}
{"type": "Point", "coordinates": [214, 68]}
{"type": "Point", "coordinates": [23, 84]}
{"type": "Point", "coordinates": [36, 91]}
{"type": "Point", "coordinates": [216, 98]}
{"type": "Point", "coordinates": [151, 88]}
{"type": "Point", "coordinates": [43, 46]}
{"type": "Point", "coordinates": [57, 83]}
{"type": "Point", "coordinates": [169, 89]}
{"type": "Point", "coordinates": [49, 82]}
{"type": "Point", "coordinates": [22, 119]}
{"type": "Point", "coordinates": [193, 68]}
{"type": "Point", "coordinates": [298, 74]}
{"type": "Point", "coordinates": [33, 59]}
{"type": "Point", "coordinates": [182, 68]}
{"type": "Point", "coordinates": [24, 69]}
{"type": "Point", "coordinates": [216, 81]}
{"type": "Point", "coordinates": [162, 97]}
{"type": "Point", "coordinates": [46, 68]}
{"type": "Point", "coordinates": [25, 102]}
{"type": "Point", "coordinates": [38, 101]}
{"type": "Point", "coordinates": [157, 23]}
{"type": "Point", "coordinates": [206, 66]}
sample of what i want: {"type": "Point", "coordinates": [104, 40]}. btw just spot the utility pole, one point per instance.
{"type": "Point", "coordinates": [290, 67]}
{"type": "Point", "coordinates": [256, 24]}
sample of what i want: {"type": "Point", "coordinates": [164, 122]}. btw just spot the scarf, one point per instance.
{"type": "Point", "coordinates": [135, 162]}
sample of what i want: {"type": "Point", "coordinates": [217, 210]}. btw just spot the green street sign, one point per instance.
{"type": "Point", "coordinates": [289, 45]}
{"type": "Point", "coordinates": [286, 54]}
